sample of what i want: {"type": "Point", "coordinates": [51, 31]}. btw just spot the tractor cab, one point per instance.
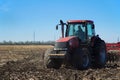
{"type": "Point", "coordinates": [83, 29]}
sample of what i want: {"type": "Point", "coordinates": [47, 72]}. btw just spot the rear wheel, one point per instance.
{"type": "Point", "coordinates": [51, 62]}
{"type": "Point", "coordinates": [100, 54]}
{"type": "Point", "coordinates": [81, 59]}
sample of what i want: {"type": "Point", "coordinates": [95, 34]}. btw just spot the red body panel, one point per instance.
{"type": "Point", "coordinates": [65, 39]}
{"type": "Point", "coordinates": [72, 40]}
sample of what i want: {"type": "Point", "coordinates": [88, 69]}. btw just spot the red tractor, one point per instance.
{"type": "Point", "coordinates": [78, 47]}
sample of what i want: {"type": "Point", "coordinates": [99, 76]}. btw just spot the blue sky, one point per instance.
{"type": "Point", "coordinates": [19, 19]}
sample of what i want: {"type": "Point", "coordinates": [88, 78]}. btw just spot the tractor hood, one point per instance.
{"type": "Point", "coordinates": [66, 39]}
{"type": "Point", "coordinates": [66, 43]}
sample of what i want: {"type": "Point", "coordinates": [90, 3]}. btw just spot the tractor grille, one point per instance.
{"type": "Point", "coordinates": [61, 45]}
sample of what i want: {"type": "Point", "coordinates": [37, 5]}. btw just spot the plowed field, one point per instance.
{"type": "Point", "coordinates": [26, 63]}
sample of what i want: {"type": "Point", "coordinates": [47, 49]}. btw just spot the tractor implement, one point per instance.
{"type": "Point", "coordinates": [113, 50]}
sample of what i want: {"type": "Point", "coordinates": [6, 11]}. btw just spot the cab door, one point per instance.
{"type": "Point", "coordinates": [90, 31]}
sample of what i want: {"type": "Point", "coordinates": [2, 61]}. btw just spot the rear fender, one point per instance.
{"type": "Point", "coordinates": [94, 40]}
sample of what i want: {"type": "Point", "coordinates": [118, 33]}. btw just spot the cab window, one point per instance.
{"type": "Point", "coordinates": [90, 30]}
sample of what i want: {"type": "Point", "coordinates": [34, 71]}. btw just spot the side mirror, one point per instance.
{"type": "Point", "coordinates": [56, 27]}
{"type": "Point", "coordinates": [61, 22]}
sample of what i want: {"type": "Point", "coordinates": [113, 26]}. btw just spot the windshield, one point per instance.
{"type": "Point", "coordinates": [77, 30]}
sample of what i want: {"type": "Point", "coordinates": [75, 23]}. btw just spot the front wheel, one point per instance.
{"type": "Point", "coordinates": [51, 62]}
{"type": "Point", "coordinates": [81, 59]}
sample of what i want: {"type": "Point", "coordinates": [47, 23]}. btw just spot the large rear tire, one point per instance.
{"type": "Point", "coordinates": [51, 62]}
{"type": "Point", "coordinates": [81, 59]}
{"type": "Point", "coordinates": [100, 54]}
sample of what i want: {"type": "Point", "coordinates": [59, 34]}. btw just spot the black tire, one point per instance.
{"type": "Point", "coordinates": [51, 62]}
{"type": "Point", "coordinates": [68, 60]}
{"type": "Point", "coordinates": [100, 54]}
{"type": "Point", "coordinates": [81, 59]}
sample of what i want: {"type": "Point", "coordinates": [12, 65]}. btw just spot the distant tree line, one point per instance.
{"type": "Point", "coordinates": [27, 43]}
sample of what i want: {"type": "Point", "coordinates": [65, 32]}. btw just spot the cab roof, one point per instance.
{"type": "Point", "coordinates": [79, 21]}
